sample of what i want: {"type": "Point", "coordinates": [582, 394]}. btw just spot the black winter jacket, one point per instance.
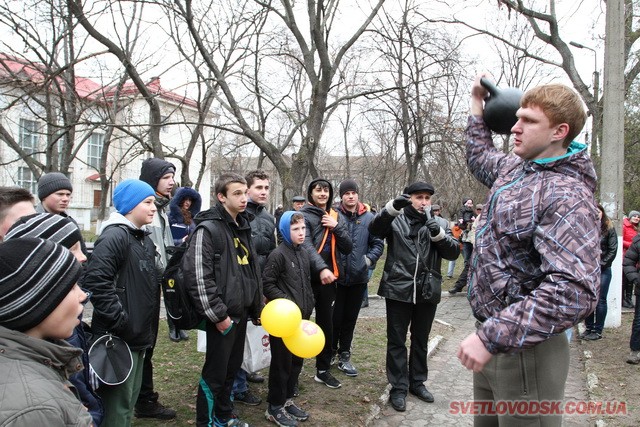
{"type": "Point", "coordinates": [223, 282]}
{"type": "Point", "coordinates": [287, 274]}
{"type": "Point", "coordinates": [315, 232]}
{"type": "Point", "coordinates": [407, 258]}
{"type": "Point", "coordinates": [122, 277]}
{"type": "Point", "coordinates": [608, 247]}
{"type": "Point", "coordinates": [365, 244]}
{"type": "Point", "coordinates": [630, 264]}
{"type": "Point", "coordinates": [263, 231]}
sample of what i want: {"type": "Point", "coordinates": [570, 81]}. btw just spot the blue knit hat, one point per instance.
{"type": "Point", "coordinates": [129, 193]}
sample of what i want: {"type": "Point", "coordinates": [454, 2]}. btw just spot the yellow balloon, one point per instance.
{"type": "Point", "coordinates": [307, 341]}
{"type": "Point", "coordinates": [281, 317]}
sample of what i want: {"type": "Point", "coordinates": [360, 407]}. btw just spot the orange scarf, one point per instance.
{"type": "Point", "coordinates": [333, 214]}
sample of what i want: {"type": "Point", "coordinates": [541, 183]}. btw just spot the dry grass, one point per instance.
{"type": "Point", "coordinates": [178, 369]}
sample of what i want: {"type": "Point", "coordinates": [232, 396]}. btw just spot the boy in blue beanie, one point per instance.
{"type": "Point", "coordinates": [126, 298]}
{"type": "Point", "coordinates": [287, 274]}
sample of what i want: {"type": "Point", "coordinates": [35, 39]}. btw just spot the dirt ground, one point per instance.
{"type": "Point", "coordinates": [616, 379]}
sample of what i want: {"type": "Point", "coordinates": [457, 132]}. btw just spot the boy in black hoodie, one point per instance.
{"type": "Point", "coordinates": [324, 237]}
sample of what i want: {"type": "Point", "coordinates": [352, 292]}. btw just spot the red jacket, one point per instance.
{"type": "Point", "coordinates": [629, 231]}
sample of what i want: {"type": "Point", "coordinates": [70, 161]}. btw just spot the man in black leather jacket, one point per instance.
{"type": "Point", "coordinates": [410, 284]}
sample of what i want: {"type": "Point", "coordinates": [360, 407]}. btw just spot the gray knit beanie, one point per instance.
{"type": "Point", "coordinates": [634, 213]}
{"type": "Point", "coordinates": [35, 276]}
{"type": "Point", "coordinates": [51, 182]}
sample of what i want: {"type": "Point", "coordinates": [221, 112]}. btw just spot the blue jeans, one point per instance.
{"type": "Point", "coordinates": [595, 321]}
{"type": "Point", "coordinates": [452, 265]}
{"type": "Point", "coordinates": [240, 383]}
{"type": "Point", "coordinates": [634, 342]}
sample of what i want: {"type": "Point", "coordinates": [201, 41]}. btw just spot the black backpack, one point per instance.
{"type": "Point", "coordinates": [177, 300]}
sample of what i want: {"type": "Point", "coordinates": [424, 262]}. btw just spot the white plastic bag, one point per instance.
{"type": "Point", "coordinates": [257, 350]}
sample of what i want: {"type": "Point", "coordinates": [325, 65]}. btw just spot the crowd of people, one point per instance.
{"type": "Point", "coordinates": [529, 266]}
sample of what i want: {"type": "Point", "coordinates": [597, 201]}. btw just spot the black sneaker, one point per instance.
{"type": "Point", "coordinates": [254, 377]}
{"type": "Point", "coordinates": [592, 336]}
{"type": "Point", "coordinates": [345, 365]}
{"type": "Point", "coordinates": [295, 411]}
{"type": "Point", "coordinates": [154, 409]}
{"type": "Point", "coordinates": [328, 379]}
{"type": "Point", "coordinates": [584, 334]}
{"type": "Point", "coordinates": [229, 422]}
{"type": "Point", "coordinates": [247, 398]}
{"type": "Point", "coordinates": [279, 416]}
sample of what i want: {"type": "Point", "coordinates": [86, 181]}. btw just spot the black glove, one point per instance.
{"type": "Point", "coordinates": [434, 227]}
{"type": "Point", "coordinates": [401, 201]}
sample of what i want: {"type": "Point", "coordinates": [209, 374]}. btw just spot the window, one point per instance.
{"type": "Point", "coordinates": [94, 149]}
{"type": "Point", "coordinates": [28, 137]}
{"type": "Point", "coordinates": [26, 180]}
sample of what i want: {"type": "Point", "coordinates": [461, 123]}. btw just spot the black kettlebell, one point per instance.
{"type": "Point", "coordinates": [500, 107]}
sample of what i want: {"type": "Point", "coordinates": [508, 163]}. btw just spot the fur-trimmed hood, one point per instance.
{"type": "Point", "coordinates": [175, 213]}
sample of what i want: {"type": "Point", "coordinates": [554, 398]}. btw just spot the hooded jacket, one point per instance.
{"type": "Point", "coordinates": [315, 233]}
{"type": "Point", "coordinates": [122, 277]}
{"type": "Point", "coordinates": [287, 272]}
{"type": "Point", "coordinates": [535, 269]}
{"type": "Point", "coordinates": [263, 231]}
{"type": "Point", "coordinates": [35, 388]}
{"type": "Point", "coordinates": [176, 220]}
{"type": "Point", "coordinates": [365, 244]}
{"type": "Point", "coordinates": [223, 282]}
{"type": "Point", "coordinates": [409, 258]}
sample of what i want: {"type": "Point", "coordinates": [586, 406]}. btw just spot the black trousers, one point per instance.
{"type": "Point", "coordinates": [222, 360]}
{"type": "Point", "coordinates": [283, 373]}
{"type": "Point", "coordinates": [467, 249]}
{"type": "Point", "coordinates": [345, 315]}
{"type": "Point", "coordinates": [146, 389]}
{"type": "Point", "coordinates": [403, 317]}
{"type": "Point", "coordinates": [325, 296]}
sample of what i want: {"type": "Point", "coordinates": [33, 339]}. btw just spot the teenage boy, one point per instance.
{"type": "Point", "coordinates": [416, 245]}
{"type": "Point", "coordinates": [287, 275]}
{"type": "Point", "coordinates": [126, 298]}
{"type": "Point", "coordinates": [15, 202]}
{"type": "Point", "coordinates": [263, 232]}
{"type": "Point", "coordinates": [226, 289]}
{"type": "Point", "coordinates": [535, 270]}
{"type": "Point", "coordinates": [54, 192]}
{"type": "Point", "coordinates": [39, 306]}
{"type": "Point", "coordinates": [352, 284]}
{"type": "Point", "coordinates": [159, 175]}
{"type": "Point", "coordinates": [325, 235]}
{"type": "Point", "coordinates": [63, 231]}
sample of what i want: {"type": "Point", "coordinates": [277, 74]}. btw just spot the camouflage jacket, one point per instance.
{"type": "Point", "coordinates": [535, 269]}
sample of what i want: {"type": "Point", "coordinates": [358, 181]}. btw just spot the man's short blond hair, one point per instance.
{"type": "Point", "coordinates": [560, 104]}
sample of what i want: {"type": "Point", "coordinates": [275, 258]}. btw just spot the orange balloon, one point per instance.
{"type": "Point", "coordinates": [281, 317]}
{"type": "Point", "coordinates": [307, 341]}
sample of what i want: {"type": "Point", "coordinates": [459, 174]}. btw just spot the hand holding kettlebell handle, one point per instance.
{"type": "Point", "coordinates": [500, 107]}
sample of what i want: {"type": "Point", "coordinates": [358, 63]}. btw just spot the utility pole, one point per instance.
{"type": "Point", "coordinates": [611, 182]}
{"type": "Point", "coordinates": [596, 119]}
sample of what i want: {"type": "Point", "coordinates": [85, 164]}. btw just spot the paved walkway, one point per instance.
{"type": "Point", "coordinates": [450, 381]}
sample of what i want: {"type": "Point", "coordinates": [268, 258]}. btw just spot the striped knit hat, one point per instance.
{"type": "Point", "coordinates": [47, 226]}
{"type": "Point", "coordinates": [35, 276]}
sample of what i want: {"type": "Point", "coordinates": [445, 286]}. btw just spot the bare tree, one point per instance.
{"type": "Point", "coordinates": [125, 54]}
